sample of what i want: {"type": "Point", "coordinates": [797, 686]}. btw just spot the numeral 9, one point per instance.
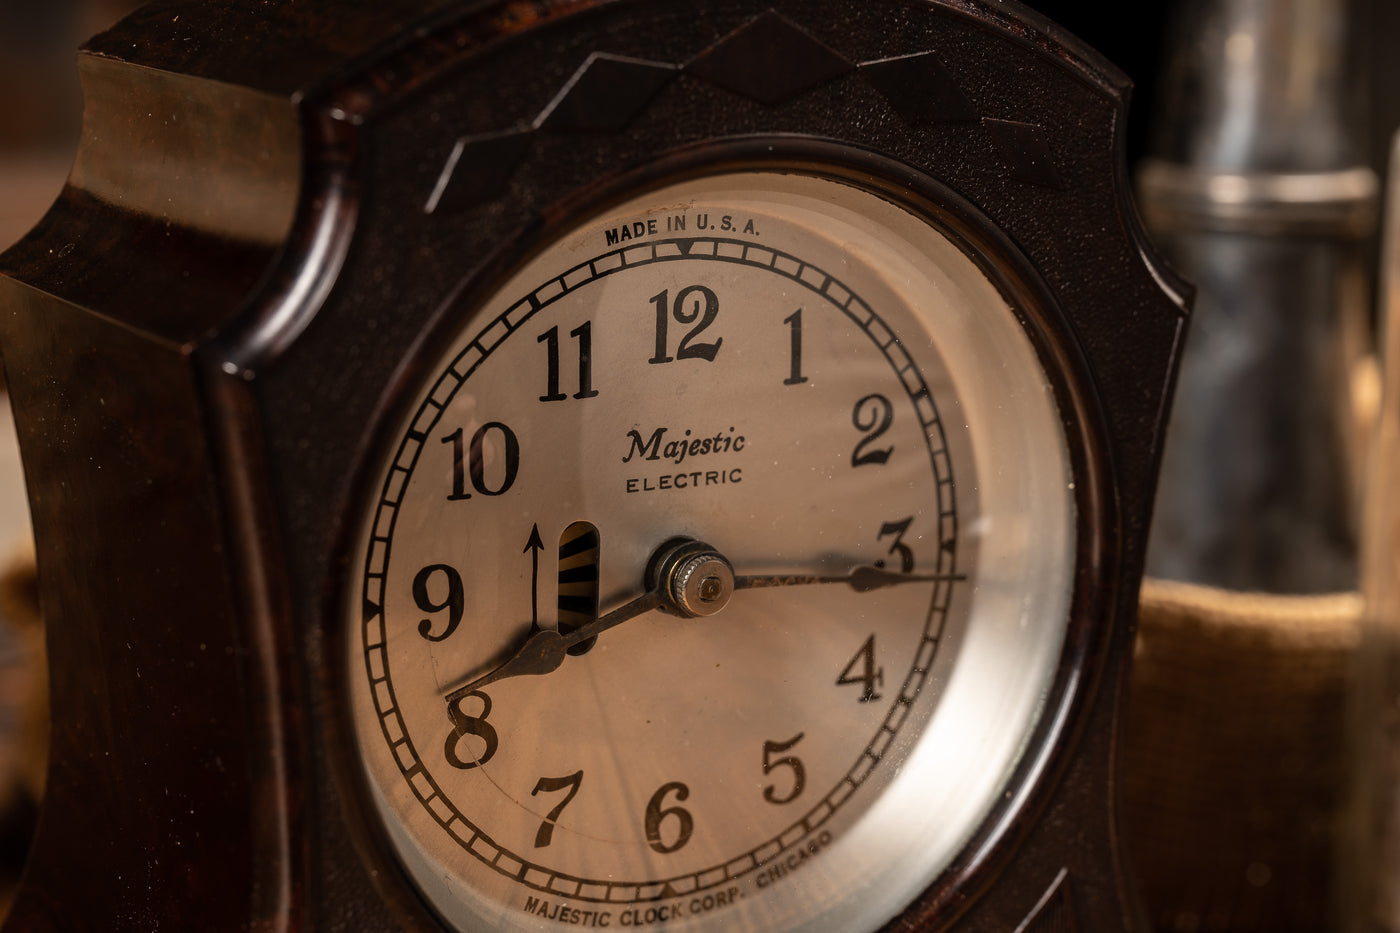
{"type": "Point", "coordinates": [452, 602]}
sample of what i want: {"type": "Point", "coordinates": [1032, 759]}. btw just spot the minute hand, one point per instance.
{"type": "Point", "coordinates": [544, 651]}
{"type": "Point", "coordinates": [862, 579]}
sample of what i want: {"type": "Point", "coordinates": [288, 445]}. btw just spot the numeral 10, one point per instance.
{"type": "Point", "coordinates": [469, 460]}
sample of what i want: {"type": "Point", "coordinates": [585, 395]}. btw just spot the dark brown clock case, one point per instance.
{"type": "Point", "coordinates": [272, 206]}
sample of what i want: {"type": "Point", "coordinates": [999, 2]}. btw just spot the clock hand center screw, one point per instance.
{"type": "Point", "coordinates": [695, 579]}
{"type": "Point", "coordinates": [711, 589]}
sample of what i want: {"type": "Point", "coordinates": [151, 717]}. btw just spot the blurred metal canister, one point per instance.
{"type": "Point", "coordinates": [1258, 192]}
{"type": "Point", "coordinates": [1237, 755]}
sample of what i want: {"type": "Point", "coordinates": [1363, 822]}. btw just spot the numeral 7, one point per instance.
{"type": "Point", "coordinates": [548, 785]}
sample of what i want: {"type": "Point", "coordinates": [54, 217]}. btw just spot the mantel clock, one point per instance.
{"type": "Point", "coordinates": [561, 464]}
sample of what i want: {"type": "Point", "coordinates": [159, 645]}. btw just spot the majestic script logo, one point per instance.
{"type": "Point", "coordinates": [656, 447]}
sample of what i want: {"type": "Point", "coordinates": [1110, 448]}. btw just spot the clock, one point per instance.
{"type": "Point", "coordinates": [539, 465]}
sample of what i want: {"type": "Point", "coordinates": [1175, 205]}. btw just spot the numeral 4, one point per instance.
{"type": "Point", "coordinates": [861, 670]}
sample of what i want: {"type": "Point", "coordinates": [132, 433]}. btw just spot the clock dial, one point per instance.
{"type": "Point", "coordinates": [730, 542]}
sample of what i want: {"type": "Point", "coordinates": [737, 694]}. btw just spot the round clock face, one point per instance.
{"type": "Point", "coordinates": [718, 574]}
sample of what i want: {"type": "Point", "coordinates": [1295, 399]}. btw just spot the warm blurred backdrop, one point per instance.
{"type": "Point", "coordinates": [1264, 754]}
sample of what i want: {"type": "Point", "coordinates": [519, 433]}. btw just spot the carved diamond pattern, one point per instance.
{"type": "Point", "coordinates": [1024, 152]}
{"type": "Point", "coordinates": [605, 94]}
{"type": "Point", "coordinates": [1055, 911]}
{"type": "Point", "coordinates": [920, 88]}
{"type": "Point", "coordinates": [769, 59]}
{"type": "Point", "coordinates": [477, 168]}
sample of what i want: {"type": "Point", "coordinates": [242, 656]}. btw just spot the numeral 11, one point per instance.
{"type": "Point", "coordinates": [550, 338]}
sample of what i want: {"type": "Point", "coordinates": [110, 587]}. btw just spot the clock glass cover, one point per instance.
{"type": "Point", "coordinates": [717, 574]}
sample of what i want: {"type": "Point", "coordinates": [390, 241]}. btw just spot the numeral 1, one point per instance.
{"type": "Point", "coordinates": [459, 472]}
{"type": "Point", "coordinates": [794, 323]}
{"type": "Point", "coordinates": [663, 317]}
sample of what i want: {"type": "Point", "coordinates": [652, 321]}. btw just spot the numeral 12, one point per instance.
{"type": "Point", "coordinates": [703, 314]}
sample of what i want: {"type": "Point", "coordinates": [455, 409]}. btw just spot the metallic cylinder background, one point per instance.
{"type": "Point", "coordinates": [1258, 192]}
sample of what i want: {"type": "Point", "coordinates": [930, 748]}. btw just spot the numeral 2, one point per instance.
{"type": "Point", "coordinates": [873, 415]}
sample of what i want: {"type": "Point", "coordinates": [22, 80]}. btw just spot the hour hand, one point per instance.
{"type": "Point", "coordinates": [544, 651]}
{"type": "Point", "coordinates": [684, 576]}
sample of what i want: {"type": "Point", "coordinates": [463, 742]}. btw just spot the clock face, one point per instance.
{"type": "Point", "coordinates": [718, 573]}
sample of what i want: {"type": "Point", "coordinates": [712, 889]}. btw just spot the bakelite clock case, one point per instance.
{"type": "Point", "coordinates": [280, 216]}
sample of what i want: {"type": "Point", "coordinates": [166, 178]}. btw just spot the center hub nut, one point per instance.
{"type": "Point", "coordinates": [700, 580]}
